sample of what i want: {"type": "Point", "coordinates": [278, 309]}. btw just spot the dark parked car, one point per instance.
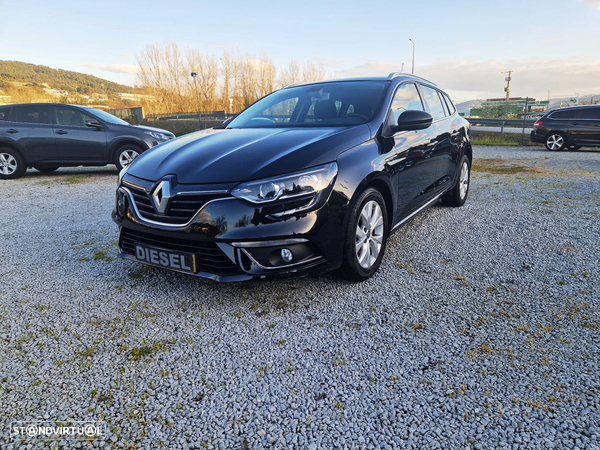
{"type": "Point", "coordinates": [48, 136]}
{"type": "Point", "coordinates": [310, 178]}
{"type": "Point", "coordinates": [571, 127]}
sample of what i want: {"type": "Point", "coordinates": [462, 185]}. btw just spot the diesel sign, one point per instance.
{"type": "Point", "coordinates": [166, 258]}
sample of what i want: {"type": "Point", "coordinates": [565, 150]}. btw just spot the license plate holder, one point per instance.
{"type": "Point", "coordinates": [168, 259]}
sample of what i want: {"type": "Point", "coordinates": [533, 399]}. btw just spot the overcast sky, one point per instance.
{"type": "Point", "coordinates": [462, 45]}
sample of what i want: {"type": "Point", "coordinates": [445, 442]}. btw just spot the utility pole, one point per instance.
{"type": "Point", "coordinates": [507, 89]}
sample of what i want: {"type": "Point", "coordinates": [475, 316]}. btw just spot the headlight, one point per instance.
{"type": "Point", "coordinates": [121, 175]}
{"type": "Point", "coordinates": [306, 185]}
{"type": "Point", "coordinates": [157, 135]}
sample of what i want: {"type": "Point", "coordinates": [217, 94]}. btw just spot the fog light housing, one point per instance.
{"type": "Point", "coordinates": [287, 255]}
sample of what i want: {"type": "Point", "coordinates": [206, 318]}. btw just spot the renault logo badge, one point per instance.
{"type": "Point", "coordinates": [161, 196]}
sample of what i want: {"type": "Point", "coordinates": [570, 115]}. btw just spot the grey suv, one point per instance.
{"type": "Point", "coordinates": [47, 136]}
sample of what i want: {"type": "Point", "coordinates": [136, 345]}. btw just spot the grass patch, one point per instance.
{"type": "Point", "coordinates": [101, 255]}
{"type": "Point", "coordinates": [138, 273]}
{"type": "Point", "coordinates": [73, 179]}
{"type": "Point", "coordinates": [137, 353]}
{"type": "Point", "coordinates": [503, 167]}
{"type": "Point", "coordinates": [492, 138]}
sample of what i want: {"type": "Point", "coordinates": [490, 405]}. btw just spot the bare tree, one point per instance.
{"type": "Point", "coordinates": [207, 70]}
{"type": "Point", "coordinates": [291, 74]}
{"type": "Point", "coordinates": [161, 73]}
{"type": "Point", "coordinates": [267, 72]}
{"type": "Point", "coordinates": [165, 74]}
{"type": "Point", "coordinates": [312, 72]}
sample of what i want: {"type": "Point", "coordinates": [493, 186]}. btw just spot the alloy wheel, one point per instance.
{"type": "Point", "coordinates": [464, 180]}
{"type": "Point", "coordinates": [555, 142]}
{"type": "Point", "coordinates": [8, 164]}
{"type": "Point", "coordinates": [127, 156]}
{"type": "Point", "coordinates": [369, 234]}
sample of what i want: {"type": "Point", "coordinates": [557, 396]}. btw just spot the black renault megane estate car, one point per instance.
{"type": "Point", "coordinates": [47, 136]}
{"type": "Point", "coordinates": [311, 178]}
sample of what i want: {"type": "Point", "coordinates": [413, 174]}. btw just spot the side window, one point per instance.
{"type": "Point", "coordinates": [71, 117]}
{"type": "Point", "coordinates": [5, 113]}
{"type": "Point", "coordinates": [444, 105]}
{"type": "Point", "coordinates": [563, 115]}
{"type": "Point", "coordinates": [433, 103]}
{"type": "Point", "coordinates": [31, 114]}
{"type": "Point", "coordinates": [588, 113]}
{"type": "Point", "coordinates": [406, 98]}
{"type": "Point", "coordinates": [451, 107]}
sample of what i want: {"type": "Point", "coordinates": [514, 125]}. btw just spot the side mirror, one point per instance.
{"type": "Point", "coordinates": [93, 124]}
{"type": "Point", "coordinates": [412, 120]}
{"type": "Point", "coordinates": [224, 124]}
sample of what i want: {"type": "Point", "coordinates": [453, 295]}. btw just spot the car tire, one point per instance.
{"type": "Point", "coordinates": [556, 141]}
{"type": "Point", "coordinates": [125, 155]}
{"type": "Point", "coordinates": [366, 236]}
{"type": "Point", "coordinates": [45, 169]}
{"type": "Point", "coordinates": [458, 194]}
{"type": "Point", "coordinates": [12, 164]}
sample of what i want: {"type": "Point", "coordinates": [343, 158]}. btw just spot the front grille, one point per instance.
{"type": "Point", "coordinates": [181, 207]}
{"type": "Point", "coordinates": [209, 257]}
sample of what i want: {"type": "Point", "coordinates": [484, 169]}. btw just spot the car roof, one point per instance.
{"type": "Point", "coordinates": [570, 108]}
{"type": "Point", "coordinates": [42, 103]}
{"type": "Point", "coordinates": [391, 76]}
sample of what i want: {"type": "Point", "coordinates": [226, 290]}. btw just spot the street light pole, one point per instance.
{"type": "Point", "coordinates": [197, 100]}
{"type": "Point", "coordinates": [413, 58]}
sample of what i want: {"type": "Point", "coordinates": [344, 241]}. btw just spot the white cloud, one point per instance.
{"type": "Point", "coordinates": [116, 68]}
{"type": "Point", "coordinates": [595, 3]}
{"type": "Point", "coordinates": [467, 79]}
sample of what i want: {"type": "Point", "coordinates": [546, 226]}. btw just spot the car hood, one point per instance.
{"type": "Point", "coordinates": [242, 154]}
{"type": "Point", "coordinates": [156, 130]}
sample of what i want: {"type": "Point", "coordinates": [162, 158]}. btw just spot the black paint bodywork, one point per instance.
{"type": "Point", "coordinates": [580, 125]}
{"type": "Point", "coordinates": [411, 169]}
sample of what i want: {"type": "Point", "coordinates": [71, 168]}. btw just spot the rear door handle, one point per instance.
{"type": "Point", "coordinates": [12, 130]}
{"type": "Point", "coordinates": [432, 143]}
{"type": "Point", "coordinates": [456, 133]}
{"type": "Point", "coordinates": [62, 132]}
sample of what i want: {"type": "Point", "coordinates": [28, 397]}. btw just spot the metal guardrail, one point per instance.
{"type": "Point", "coordinates": [205, 115]}
{"type": "Point", "coordinates": [513, 123]}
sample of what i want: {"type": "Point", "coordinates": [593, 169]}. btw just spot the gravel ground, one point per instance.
{"type": "Point", "coordinates": [481, 330]}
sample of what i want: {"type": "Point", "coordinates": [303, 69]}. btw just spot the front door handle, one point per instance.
{"type": "Point", "coordinates": [12, 130]}
{"type": "Point", "coordinates": [62, 132]}
{"type": "Point", "coordinates": [432, 144]}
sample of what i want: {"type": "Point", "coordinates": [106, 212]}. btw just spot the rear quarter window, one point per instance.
{"type": "Point", "coordinates": [588, 113]}
{"type": "Point", "coordinates": [449, 103]}
{"type": "Point", "coordinates": [562, 115]}
{"type": "Point", "coordinates": [433, 103]}
{"type": "Point", "coordinates": [4, 113]}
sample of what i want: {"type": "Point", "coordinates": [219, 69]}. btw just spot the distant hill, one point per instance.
{"type": "Point", "coordinates": [11, 71]}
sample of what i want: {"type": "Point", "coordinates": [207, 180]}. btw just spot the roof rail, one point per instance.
{"type": "Point", "coordinates": [393, 75]}
{"type": "Point", "coordinates": [297, 83]}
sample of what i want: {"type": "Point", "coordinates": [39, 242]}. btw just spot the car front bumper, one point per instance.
{"type": "Point", "coordinates": [231, 240]}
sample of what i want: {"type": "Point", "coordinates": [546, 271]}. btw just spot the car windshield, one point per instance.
{"type": "Point", "coordinates": [331, 104]}
{"type": "Point", "coordinates": [106, 116]}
